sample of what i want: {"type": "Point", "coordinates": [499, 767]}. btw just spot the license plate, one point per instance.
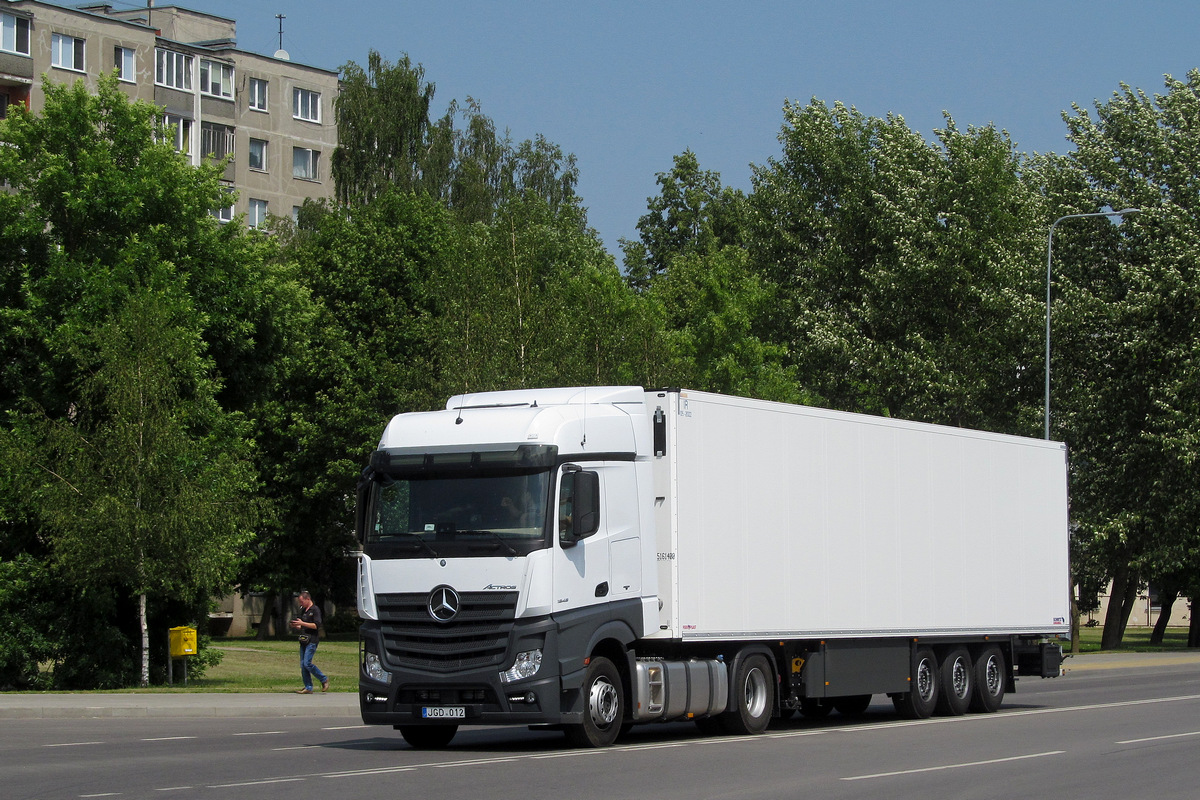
{"type": "Point", "coordinates": [443, 712]}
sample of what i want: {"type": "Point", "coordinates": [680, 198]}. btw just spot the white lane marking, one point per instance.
{"type": "Point", "coordinates": [71, 744]}
{"type": "Point", "coordinates": [168, 738]}
{"type": "Point", "coordinates": [377, 771]}
{"type": "Point", "coordinates": [1160, 738]}
{"type": "Point", "coordinates": [295, 747]}
{"type": "Point", "coordinates": [345, 727]}
{"type": "Point", "coordinates": [102, 794]}
{"type": "Point", "coordinates": [259, 733]}
{"type": "Point", "coordinates": [255, 783]}
{"type": "Point", "coordinates": [174, 788]}
{"type": "Point", "coordinates": [953, 766]}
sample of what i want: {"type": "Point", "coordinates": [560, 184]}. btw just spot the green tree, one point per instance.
{"type": "Point", "coordinates": [126, 301]}
{"type": "Point", "coordinates": [1129, 333]}
{"type": "Point", "coordinates": [906, 269]}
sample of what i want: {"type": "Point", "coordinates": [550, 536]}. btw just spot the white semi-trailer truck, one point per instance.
{"type": "Point", "coordinates": [594, 558]}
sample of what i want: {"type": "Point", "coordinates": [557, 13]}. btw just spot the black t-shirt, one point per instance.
{"type": "Point", "coordinates": [311, 614]}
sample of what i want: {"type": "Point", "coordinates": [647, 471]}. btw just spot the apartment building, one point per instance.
{"type": "Point", "coordinates": [272, 116]}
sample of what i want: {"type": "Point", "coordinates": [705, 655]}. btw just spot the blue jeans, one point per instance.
{"type": "Point", "coordinates": [307, 668]}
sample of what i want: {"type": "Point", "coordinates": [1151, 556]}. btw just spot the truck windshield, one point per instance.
{"type": "Point", "coordinates": [500, 512]}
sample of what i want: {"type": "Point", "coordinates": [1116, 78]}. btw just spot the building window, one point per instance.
{"type": "Point", "coordinates": [225, 214]}
{"type": "Point", "coordinates": [66, 52]}
{"type": "Point", "coordinates": [258, 94]}
{"type": "Point", "coordinates": [216, 78]}
{"type": "Point", "coordinates": [178, 132]}
{"type": "Point", "coordinates": [14, 34]}
{"type": "Point", "coordinates": [123, 60]}
{"type": "Point", "coordinates": [306, 105]}
{"type": "Point", "coordinates": [258, 213]}
{"type": "Point", "coordinates": [216, 140]}
{"type": "Point", "coordinates": [258, 154]}
{"type": "Point", "coordinates": [305, 163]}
{"type": "Point", "coordinates": [173, 69]}
{"type": "Point", "coordinates": [3, 106]}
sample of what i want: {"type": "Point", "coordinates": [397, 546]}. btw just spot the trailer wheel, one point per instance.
{"type": "Point", "coordinates": [604, 706]}
{"type": "Point", "coordinates": [852, 705]}
{"type": "Point", "coordinates": [427, 737]}
{"type": "Point", "coordinates": [920, 700]}
{"type": "Point", "coordinates": [989, 681]}
{"type": "Point", "coordinates": [957, 682]}
{"type": "Point", "coordinates": [751, 696]}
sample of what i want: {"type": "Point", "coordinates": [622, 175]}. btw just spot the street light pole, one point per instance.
{"type": "Point", "coordinates": [1049, 259]}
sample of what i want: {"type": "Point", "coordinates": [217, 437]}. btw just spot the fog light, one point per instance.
{"type": "Point", "coordinates": [525, 666]}
{"type": "Point", "coordinates": [373, 666]}
{"type": "Point", "coordinates": [528, 697]}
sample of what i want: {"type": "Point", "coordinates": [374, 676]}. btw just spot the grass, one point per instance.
{"type": "Point", "coordinates": [1136, 640]}
{"type": "Point", "coordinates": [250, 665]}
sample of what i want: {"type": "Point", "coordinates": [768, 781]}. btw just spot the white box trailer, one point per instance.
{"type": "Point", "coordinates": [591, 558]}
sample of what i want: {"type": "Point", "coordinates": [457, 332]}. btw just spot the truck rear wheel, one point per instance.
{"type": "Point", "coordinates": [989, 681]}
{"type": "Point", "coordinates": [957, 681]}
{"type": "Point", "coordinates": [604, 706]}
{"type": "Point", "coordinates": [427, 737]}
{"type": "Point", "coordinates": [920, 700]}
{"type": "Point", "coordinates": [751, 696]}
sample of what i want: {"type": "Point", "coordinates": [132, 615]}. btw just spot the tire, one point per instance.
{"type": "Point", "coordinates": [920, 700]}
{"type": "Point", "coordinates": [427, 737]}
{"type": "Point", "coordinates": [853, 705]}
{"type": "Point", "coordinates": [957, 683]}
{"type": "Point", "coordinates": [989, 681]}
{"type": "Point", "coordinates": [751, 696]}
{"type": "Point", "coordinates": [815, 708]}
{"type": "Point", "coordinates": [603, 709]}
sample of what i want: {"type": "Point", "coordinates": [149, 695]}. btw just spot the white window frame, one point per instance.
{"type": "Point", "coordinates": [173, 69]}
{"type": "Point", "coordinates": [68, 52]}
{"type": "Point", "coordinates": [125, 60]}
{"type": "Point", "coordinates": [182, 137]}
{"type": "Point", "coordinates": [225, 213]}
{"type": "Point", "coordinates": [259, 94]}
{"type": "Point", "coordinates": [306, 104]}
{"type": "Point", "coordinates": [306, 164]}
{"type": "Point", "coordinates": [256, 213]}
{"type": "Point", "coordinates": [261, 146]}
{"type": "Point", "coordinates": [220, 84]}
{"type": "Point", "coordinates": [14, 33]}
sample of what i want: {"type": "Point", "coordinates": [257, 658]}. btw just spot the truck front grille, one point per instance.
{"type": "Point", "coordinates": [477, 637]}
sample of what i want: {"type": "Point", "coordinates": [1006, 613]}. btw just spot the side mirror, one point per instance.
{"type": "Point", "coordinates": [578, 506]}
{"type": "Point", "coordinates": [361, 501]}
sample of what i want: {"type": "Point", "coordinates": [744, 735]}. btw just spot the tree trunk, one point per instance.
{"type": "Point", "coordinates": [145, 680]}
{"type": "Point", "coordinates": [1165, 601]}
{"type": "Point", "coordinates": [264, 622]}
{"type": "Point", "coordinates": [1120, 605]}
{"type": "Point", "coordinates": [1194, 625]}
{"type": "Point", "coordinates": [1074, 621]}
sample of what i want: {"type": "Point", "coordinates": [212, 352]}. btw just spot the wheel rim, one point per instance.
{"type": "Point", "coordinates": [925, 680]}
{"type": "Point", "coordinates": [992, 677]}
{"type": "Point", "coordinates": [756, 692]}
{"type": "Point", "coordinates": [959, 678]}
{"type": "Point", "coordinates": [603, 703]}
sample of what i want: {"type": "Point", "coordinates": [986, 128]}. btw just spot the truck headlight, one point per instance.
{"type": "Point", "coordinates": [373, 666]}
{"type": "Point", "coordinates": [525, 666]}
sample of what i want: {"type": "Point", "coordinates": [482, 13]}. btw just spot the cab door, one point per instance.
{"type": "Point", "coordinates": [581, 552]}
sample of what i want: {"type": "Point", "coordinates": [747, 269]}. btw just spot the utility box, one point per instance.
{"type": "Point", "coordinates": [181, 641]}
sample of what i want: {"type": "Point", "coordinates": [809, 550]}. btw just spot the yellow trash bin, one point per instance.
{"type": "Point", "coordinates": [182, 641]}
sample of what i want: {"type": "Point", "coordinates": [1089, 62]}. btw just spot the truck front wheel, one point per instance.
{"type": "Point", "coordinates": [751, 696]}
{"type": "Point", "coordinates": [604, 706]}
{"type": "Point", "coordinates": [427, 737]}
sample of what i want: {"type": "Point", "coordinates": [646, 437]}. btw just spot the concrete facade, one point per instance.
{"type": "Point", "coordinates": [272, 117]}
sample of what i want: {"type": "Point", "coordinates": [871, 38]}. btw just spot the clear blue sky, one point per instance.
{"type": "Point", "coordinates": [627, 85]}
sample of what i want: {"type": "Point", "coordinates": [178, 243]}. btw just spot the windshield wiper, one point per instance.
{"type": "Point", "coordinates": [415, 539]}
{"type": "Point", "coordinates": [499, 539]}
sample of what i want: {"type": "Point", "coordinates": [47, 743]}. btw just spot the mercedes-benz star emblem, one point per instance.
{"type": "Point", "coordinates": [443, 604]}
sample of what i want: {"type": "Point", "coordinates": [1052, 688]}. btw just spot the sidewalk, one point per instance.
{"type": "Point", "coordinates": [85, 705]}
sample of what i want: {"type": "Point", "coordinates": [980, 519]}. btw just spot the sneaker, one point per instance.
{"type": "Point", "coordinates": [304, 691]}
{"type": "Point", "coordinates": [325, 685]}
